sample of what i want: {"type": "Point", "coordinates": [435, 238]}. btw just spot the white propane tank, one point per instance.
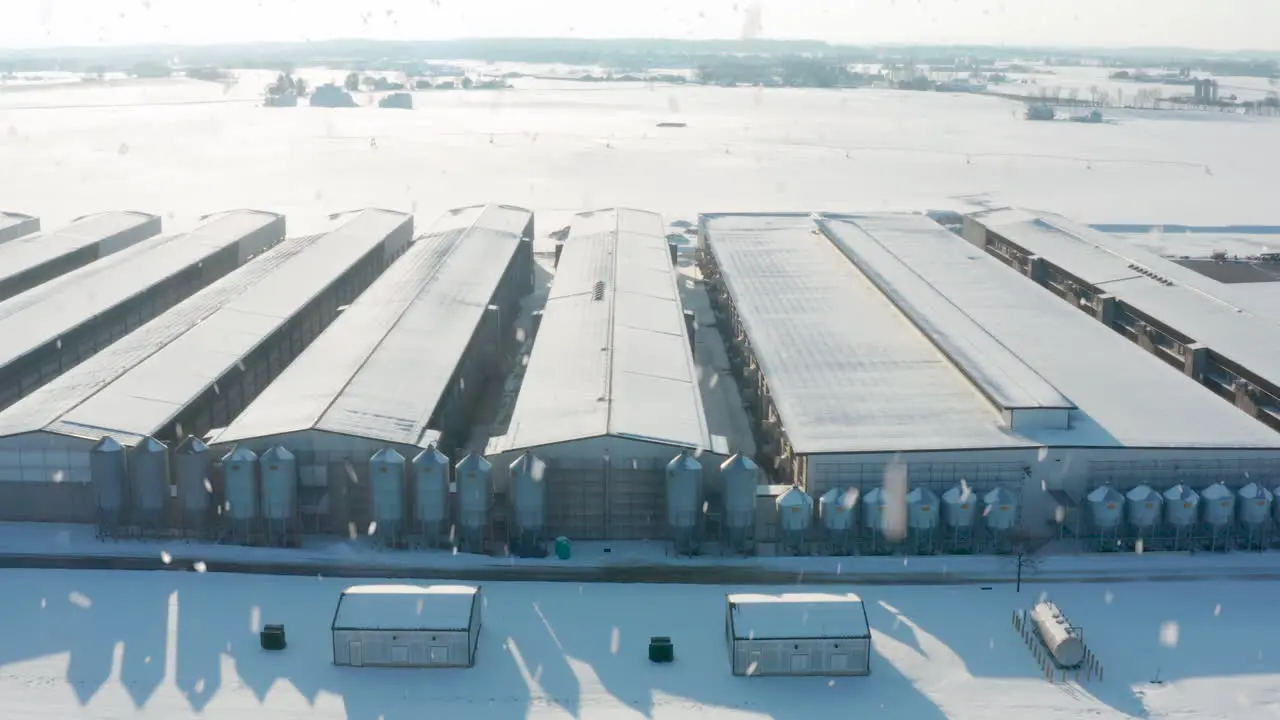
{"type": "Point", "coordinates": [1062, 640]}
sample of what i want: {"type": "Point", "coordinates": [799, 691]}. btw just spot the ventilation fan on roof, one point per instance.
{"type": "Point", "coordinates": [597, 292]}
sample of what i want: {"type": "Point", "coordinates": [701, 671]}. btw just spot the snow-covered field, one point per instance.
{"type": "Point", "coordinates": [167, 645]}
{"type": "Point", "coordinates": [185, 148]}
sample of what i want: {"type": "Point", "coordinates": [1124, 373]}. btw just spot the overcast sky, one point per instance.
{"type": "Point", "coordinates": [1211, 24]}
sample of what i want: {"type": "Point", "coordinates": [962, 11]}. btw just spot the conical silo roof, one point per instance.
{"type": "Point", "coordinates": [192, 445]}
{"type": "Point", "coordinates": [387, 456]}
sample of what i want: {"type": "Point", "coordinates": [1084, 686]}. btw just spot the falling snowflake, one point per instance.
{"type": "Point", "coordinates": [1169, 634]}
{"type": "Point", "coordinates": [80, 600]}
{"type": "Point", "coordinates": [165, 557]}
{"type": "Point", "coordinates": [200, 566]}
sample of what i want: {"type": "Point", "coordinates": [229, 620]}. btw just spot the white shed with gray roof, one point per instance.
{"type": "Point", "coordinates": [407, 626]}
{"type": "Point", "coordinates": [798, 634]}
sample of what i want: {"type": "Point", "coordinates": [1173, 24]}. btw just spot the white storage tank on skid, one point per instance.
{"type": "Point", "coordinates": [192, 465]}
{"type": "Point", "coordinates": [683, 482]}
{"type": "Point", "coordinates": [240, 487]}
{"type": "Point", "coordinates": [149, 485]}
{"type": "Point", "coordinates": [528, 504]}
{"type": "Point", "coordinates": [278, 469]}
{"type": "Point", "coordinates": [407, 626]}
{"type": "Point", "coordinates": [837, 510]}
{"type": "Point", "coordinates": [430, 496]}
{"type": "Point", "coordinates": [475, 496]}
{"type": "Point", "coordinates": [386, 490]}
{"type": "Point", "coordinates": [108, 475]}
{"type": "Point", "coordinates": [741, 478]}
{"type": "Point", "coordinates": [795, 517]}
{"type": "Point", "coordinates": [1063, 640]}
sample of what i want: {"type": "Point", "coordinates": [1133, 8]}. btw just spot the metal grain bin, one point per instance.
{"type": "Point", "coordinates": [108, 476]}
{"type": "Point", "coordinates": [741, 480]}
{"type": "Point", "coordinates": [386, 487]}
{"type": "Point", "coordinates": [683, 484]}
{"type": "Point", "coordinates": [192, 465]}
{"type": "Point", "coordinates": [149, 484]}
{"type": "Point", "coordinates": [475, 495]}
{"type": "Point", "coordinates": [240, 484]}
{"type": "Point", "coordinates": [431, 495]}
{"type": "Point", "coordinates": [528, 503]}
{"type": "Point", "coordinates": [278, 469]}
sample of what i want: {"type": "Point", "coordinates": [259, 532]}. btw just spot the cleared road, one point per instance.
{"type": "Point", "coordinates": [684, 575]}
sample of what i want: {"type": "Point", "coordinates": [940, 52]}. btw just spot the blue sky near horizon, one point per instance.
{"type": "Point", "coordinates": [1208, 24]}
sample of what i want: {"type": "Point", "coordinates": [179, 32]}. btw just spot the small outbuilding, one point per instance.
{"type": "Point", "coordinates": [798, 634]}
{"type": "Point", "coordinates": [407, 626]}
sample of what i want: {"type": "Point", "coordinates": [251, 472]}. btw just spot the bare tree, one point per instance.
{"type": "Point", "coordinates": [1025, 561]}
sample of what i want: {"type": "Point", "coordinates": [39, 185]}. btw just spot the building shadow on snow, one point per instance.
{"type": "Point", "coordinates": [702, 676]}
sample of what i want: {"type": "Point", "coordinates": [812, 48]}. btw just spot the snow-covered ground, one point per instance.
{"type": "Point", "coordinates": [120, 645]}
{"type": "Point", "coordinates": [185, 148]}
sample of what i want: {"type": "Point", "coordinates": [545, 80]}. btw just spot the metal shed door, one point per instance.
{"type": "Point", "coordinates": [354, 651]}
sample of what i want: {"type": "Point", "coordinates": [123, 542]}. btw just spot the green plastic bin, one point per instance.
{"type": "Point", "coordinates": [562, 548]}
{"type": "Point", "coordinates": [661, 650]}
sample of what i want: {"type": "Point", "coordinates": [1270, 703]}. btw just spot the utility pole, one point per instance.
{"type": "Point", "coordinates": [1019, 584]}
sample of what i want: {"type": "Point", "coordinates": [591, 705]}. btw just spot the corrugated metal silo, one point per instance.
{"type": "Point", "coordinates": [240, 486]}
{"type": "Point", "coordinates": [1181, 507]}
{"type": "Point", "coordinates": [1106, 506]}
{"type": "Point", "coordinates": [1000, 509]}
{"type": "Point", "coordinates": [959, 506]}
{"type": "Point", "coordinates": [924, 514]}
{"type": "Point", "coordinates": [107, 474]}
{"type": "Point", "coordinates": [1218, 505]}
{"type": "Point", "coordinates": [838, 508]}
{"type": "Point", "coordinates": [149, 484]}
{"type": "Point", "coordinates": [795, 517]}
{"type": "Point", "coordinates": [278, 469]}
{"type": "Point", "coordinates": [922, 509]}
{"type": "Point", "coordinates": [431, 495]}
{"type": "Point", "coordinates": [959, 512]}
{"type": "Point", "coordinates": [386, 489]}
{"type": "Point", "coordinates": [741, 479]}
{"type": "Point", "coordinates": [1253, 503]}
{"type": "Point", "coordinates": [684, 501]}
{"type": "Point", "coordinates": [192, 466]}
{"type": "Point", "coordinates": [528, 504]}
{"type": "Point", "coordinates": [475, 494]}
{"type": "Point", "coordinates": [1143, 506]}
{"type": "Point", "coordinates": [875, 505]}
{"type": "Point", "coordinates": [837, 511]}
